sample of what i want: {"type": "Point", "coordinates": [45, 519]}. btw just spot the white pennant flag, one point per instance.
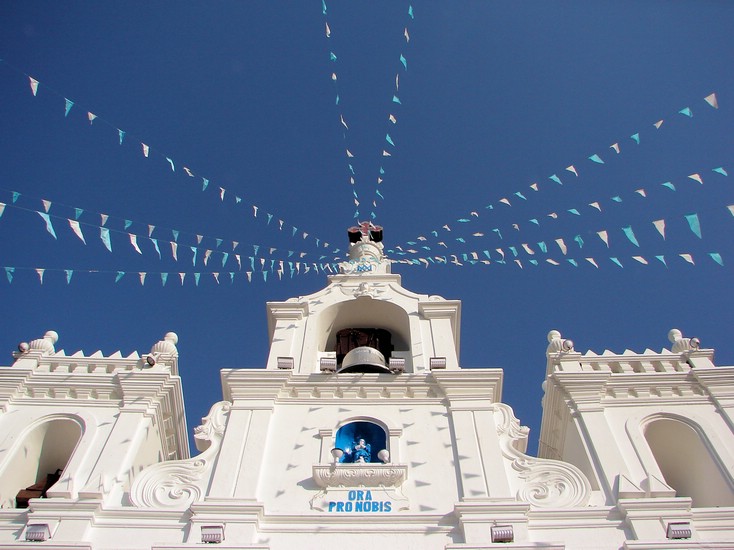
{"type": "Point", "coordinates": [710, 99]}
{"type": "Point", "coordinates": [91, 116]}
{"type": "Point", "coordinates": [46, 205]}
{"type": "Point", "coordinates": [134, 242]}
{"type": "Point", "coordinates": [604, 236]}
{"type": "Point", "coordinates": [142, 277]}
{"type": "Point", "coordinates": [207, 253]}
{"type": "Point", "coordinates": [146, 150]}
{"type": "Point", "coordinates": [528, 249]}
{"type": "Point", "coordinates": [216, 276]}
{"type": "Point", "coordinates": [534, 186]}
{"type": "Point", "coordinates": [77, 230]}
{"type": "Point", "coordinates": [174, 250]}
{"type": "Point", "coordinates": [150, 230]}
{"type": "Point", "coordinates": [614, 146]}
{"type": "Point", "coordinates": [34, 85]}
{"type": "Point", "coordinates": [182, 276]}
{"type": "Point", "coordinates": [660, 226]}
{"type": "Point", "coordinates": [40, 271]}
{"type": "Point", "coordinates": [562, 246]}
{"type": "Point", "coordinates": [592, 261]}
{"type": "Point", "coordinates": [640, 259]}
{"type": "Point", "coordinates": [552, 261]}
{"type": "Point", "coordinates": [595, 205]}
{"type": "Point", "coordinates": [103, 217]}
{"type": "Point", "coordinates": [687, 257]}
{"type": "Point", "coordinates": [641, 192]}
{"type": "Point", "coordinates": [572, 169]}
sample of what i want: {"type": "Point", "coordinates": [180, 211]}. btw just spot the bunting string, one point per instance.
{"type": "Point", "coordinates": [391, 119]}
{"type": "Point", "coordinates": [159, 243]}
{"type": "Point", "coordinates": [163, 277]}
{"type": "Point", "coordinates": [572, 172]}
{"type": "Point", "coordinates": [460, 236]}
{"type": "Point", "coordinates": [125, 138]}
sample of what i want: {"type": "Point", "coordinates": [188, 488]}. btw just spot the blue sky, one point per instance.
{"type": "Point", "coordinates": [497, 96]}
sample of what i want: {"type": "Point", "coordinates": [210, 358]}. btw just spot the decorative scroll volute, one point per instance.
{"type": "Point", "coordinates": [544, 483]}
{"type": "Point", "coordinates": [179, 483]}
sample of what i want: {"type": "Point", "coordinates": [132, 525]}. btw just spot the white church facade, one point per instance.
{"type": "Point", "coordinates": [363, 431]}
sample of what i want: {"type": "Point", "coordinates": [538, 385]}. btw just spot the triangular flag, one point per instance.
{"type": "Point", "coordinates": [389, 140]}
{"type": "Point", "coordinates": [175, 233]}
{"type": "Point", "coordinates": [596, 158]}
{"type": "Point", "coordinates": [134, 242]}
{"type": "Point", "coordinates": [534, 186]}
{"type": "Point", "coordinates": [120, 275]}
{"type": "Point", "coordinates": [394, 120]}
{"type": "Point", "coordinates": [174, 250]}
{"type": "Point", "coordinates": [194, 250]}
{"type": "Point", "coordinates": [9, 272]}
{"type": "Point", "coordinates": [630, 235]}
{"type": "Point", "coordinates": [410, 11]}
{"type": "Point", "coordinates": [688, 258]}
{"type": "Point", "coordinates": [141, 275]}
{"type": "Point", "coordinates": [636, 138]}
{"type": "Point", "coordinates": [182, 276]}
{"type": "Point", "coordinates": [46, 205]}
{"type": "Point", "coordinates": [395, 99]}
{"type": "Point", "coordinates": [128, 223]}
{"type": "Point", "coordinates": [686, 111]}
{"type": "Point", "coordinates": [616, 261]}
{"type": "Point", "coordinates": [662, 259]}
{"type": "Point", "coordinates": [615, 146]}
{"type": "Point", "coordinates": [150, 230]}
{"type": "Point", "coordinates": [720, 170]}
{"type": "Point", "coordinates": [121, 135]}
{"type": "Point", "coordinates": [603, 236]}
{"type": "Point", "coordinates": [341, 117]}
{"type": "Point", "coordinates": [103, 219]}
{"type": "Point", "coordinates": [710, 99]}
{"type": "Point", "coordinates": [49, 226]}
{"type": "Point", "coordinates": [574, 211]}
{"type": "Point", "coordinates": [68, 106]}
{"type": "Point", "coordinates": [404, 61]}
{"type": "Point", "coordinates": [595, 205]}
{"type": "Point", "coordinates": [164, 278]}
{"type": "Point", "coordinates": [34, 85]}
{"type": "Point", "coordinates": [660, 226]}
{"type": "Point", "coordinates": [573, 262]}
{"type": "Point", "coordinates": [562, 245]}
{"type": "Point", "coordinates": [40, 271]}
{"type": "Point", "coordinates": [155, 245]}
{"type": "Point", "coordinates": [641, 192]}
{"type": "Point", "coordinates": [104, 234]}
{"type": "Point", "coordinates": [640, 259]}
{"type": "Point", "coordinates": [197, 276]}
{"type": "Point", "coordinates": [332, 56]}
{"type": "Point", "coordinates": [207, 254]}
{"type": "Point", "coordinates": [731, 209]}
{"type": "Point", "coordinates": [406, 35]}
{"type": "Point", "coordinates": [204, 184]}
{"type": "Point", "coordinates": [78, 212]}
{"type": "Point", "coordinates": [696, 177]}
{"type": "Point", "coordinates": [572, 169]}
{"type": "Point", "coordinates": [716, 257]}
{"type": "Point", "coordinates": [658, 124]}
{"type": "Point", "coordinates": [2, 209]}
{"type": "Point", "coordinates": [91, 116]}
{"type": "Point", "coordinates": [173, 168]}
{"type": "Point", "coordinates": [189, 173]}
{"type": "Point", "coordinates": [222, 191]}
{"type": "Point", "coordinates": [77, 230]}
{"type": "Point", "coordinates": [694, 224]}
{"type": "Point", "coordinates": [328, 30]}
{"type": "Point", "coordinates": [556, 179]}
{"type": "Point", "coordinates": [349, 154]}
{"type": "Point", "coordinates": [69, 273]}
{"type": "Point", "coordinates": [669, 185]}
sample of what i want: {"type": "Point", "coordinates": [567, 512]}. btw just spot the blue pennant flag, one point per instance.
{"type": "Point", "coordinates": [9, 272]}
{"type": "Point", "coordinates": [579, 241]}
{"type": "Point", "coordinates": [631, 235]}
{"type": "Point", "coordinates": [694, 224]}
{"type": "Point", "coordinates": [49, 226]}
{"type": "Point", "coordinates": [716, 257]}
{"type": "Point", "coordinates": [68, 106]}
{"type": "Point", "coordinates": [404, 61]}
{"type": "Point", "coordinates": [596, 158]}
{"type": "Point", "coordinates": [120, 275]}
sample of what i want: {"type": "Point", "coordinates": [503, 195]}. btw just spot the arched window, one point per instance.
{"type": "Point", "coordinates": [688, 463]}
{"type": "Point", "coordinates": [361, 441]}
{"type": "Point", "coordinates": [38, 461]}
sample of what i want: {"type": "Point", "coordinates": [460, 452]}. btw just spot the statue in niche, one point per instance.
{"type": "Point", "coordinates": [361, 452]}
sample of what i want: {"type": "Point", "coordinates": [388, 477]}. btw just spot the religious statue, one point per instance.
{"type": "Point", "coordinates": [361, 452]}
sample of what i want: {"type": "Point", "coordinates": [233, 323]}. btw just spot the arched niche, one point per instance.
{"type": "Point", "coordinates": [42, 451]}
{"type": "Point", "coordinates": [688, 462]}
{"type": "Point", "coordinates": [373, 435]}
{"type": "Point", "coordinates": [364, 312]}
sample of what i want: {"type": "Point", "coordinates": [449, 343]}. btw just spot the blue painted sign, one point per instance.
{"type": "Point", "coordinates": [359, 501]}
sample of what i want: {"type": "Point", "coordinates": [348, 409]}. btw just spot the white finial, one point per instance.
{"type": "Point", "coordinates": [681, 344]}
{"type": "Point", "coordinates": [45, 344]}
{"type": "Point", "coordinates": [167, 345]}
{"type": "Point", "coordinates": [171, 337]}
{"type": "Point", "coordinates": [553, 335]}
{"type": "Point", "coordinates": [556, 343]}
